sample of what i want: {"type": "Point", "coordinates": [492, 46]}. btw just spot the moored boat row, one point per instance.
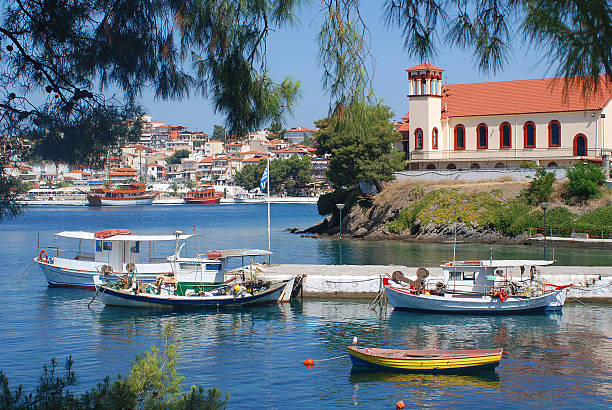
{"type": "Point", "coordinates": [124, 274]}
{"type": "Point", "coordinates": [118, 255]}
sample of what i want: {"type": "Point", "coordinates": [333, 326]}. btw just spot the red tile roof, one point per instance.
{"type": "Point", "coordinates": [424, 66]}
{"type": "Point", "coordinates": [521, 97]}
{"type": "Point", "coordinates": [254, 159]}
{"type": "Point", "coordinates": [404, 127]}
{"type": "Point", "coordinates": [300, 129]}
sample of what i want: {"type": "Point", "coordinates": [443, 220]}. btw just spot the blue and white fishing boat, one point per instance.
{"type": "Point", "coordinates": [480, 286]}
{"type": "Point", "coordinates": [162, 294]}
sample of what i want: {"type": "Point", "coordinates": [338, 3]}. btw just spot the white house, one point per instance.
{"type": "Point", "coordinates": [296, 135]}
{"type": "Point", "coordinates": [213, 147]}
{"type": "Point", "coordinates": [503, 124]}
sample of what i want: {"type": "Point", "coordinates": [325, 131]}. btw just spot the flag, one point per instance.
{"type": "Point", "coordinates": [264, 179]}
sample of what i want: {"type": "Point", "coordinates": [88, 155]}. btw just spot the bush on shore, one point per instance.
{"type": "Point", "coordinates": [151, 384]}
{"type": "Point", "coordinates": [540, 187]}
{"type": "Point", "coordinates": [326, 204]}
{"type": "Point", "coordinates": [585, 180]}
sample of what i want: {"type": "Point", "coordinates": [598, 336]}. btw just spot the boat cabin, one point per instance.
{"type": "Point", "coordinates": [118, 248]}
{"type": "Point", "coordinates": [205, 271]}
{"type": "Point", "coordinates": [480, 276]}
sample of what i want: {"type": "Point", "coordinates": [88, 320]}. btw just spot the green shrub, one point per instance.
{"type": "Point", "coordinates": [584, 180]}
{"type": "Point", "coordinates": [326, 204]}
{"type": "Point", "coordinates": [540, 187]}
{"type": "Point", "coordinates": [596, 220]}
{"type": "Point", "coordinates": [513, 217]}
{"type": "Point", "coordinates": [153, 383]}
{"type": "Point", "coordinates": [444, 206]}
{"type": "Point", "coordinates": [559, 218]}
{"type": "Point", "coordinates": [528, 164]}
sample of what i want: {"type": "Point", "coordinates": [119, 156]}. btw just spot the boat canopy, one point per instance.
{"type": "Point", "coordinates": [499, 263]}
{"type": "Point", "coordinates": [234, 253]}
{"type": "Point", "coordinates": [121, 238]}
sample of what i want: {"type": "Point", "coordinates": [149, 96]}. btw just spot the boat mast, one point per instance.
{"type": "Point", "coordinates": [268, 186]}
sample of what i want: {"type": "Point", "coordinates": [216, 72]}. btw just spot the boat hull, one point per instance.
{"type": "Point", "coordinates": [203, 201]}
{"type": "Point", "coordinates": [72, 277]}
{"type": "Point", "coordinates": [125, 202]}
{"type": "Point", "coordinates": [428, 362]}
{"type": "Point", "coordinates": [112, 297]}
{"type": "Point", "coordinates": [403, 299]}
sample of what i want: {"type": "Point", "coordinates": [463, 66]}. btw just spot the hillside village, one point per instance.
{"type": "Point", "coordinates": [474, 128]}
{"type": "Point", "coordinates": [153, 159]}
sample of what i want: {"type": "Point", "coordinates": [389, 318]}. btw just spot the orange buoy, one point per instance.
{"type": "Point", "coordinates": [308, 362]}
{"type": "Point", "coordinates": [400, 404]}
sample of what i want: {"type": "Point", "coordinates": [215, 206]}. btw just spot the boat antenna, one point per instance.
{"type": "Point", "coordinates": [268, 186]}
{"type": "Point", "coordinates": [177, 234]}
{"type": "Point", "coordinates": [491, 256]}
{"type": "Point", "coordinates": [455, 240]}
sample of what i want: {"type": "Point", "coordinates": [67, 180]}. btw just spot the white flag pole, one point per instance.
{"type": "Point", "coordinates": [268, 184]}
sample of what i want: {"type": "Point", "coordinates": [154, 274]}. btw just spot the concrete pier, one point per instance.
{"type": "Point", "coordinates": [591, 283]}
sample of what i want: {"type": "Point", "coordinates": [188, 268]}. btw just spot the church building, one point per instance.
{"type": "Point", "coordinates": [503, 124]}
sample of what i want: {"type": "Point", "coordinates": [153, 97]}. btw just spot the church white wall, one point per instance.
{"type": "Point", "coordinates": [572, 123]}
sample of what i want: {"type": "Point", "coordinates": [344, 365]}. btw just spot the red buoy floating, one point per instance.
{"type": "Point", "coordinates": [308, 362]}
{"type": "Point", "coordinates": [400, 404]}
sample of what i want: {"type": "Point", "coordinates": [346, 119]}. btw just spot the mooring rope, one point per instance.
{"type": "Point", "coordinates": [27, 271]}
{"type": "Point", "coordinates": [94, 298]}
{"type": "Point", "coordinates": [331, 358]}
{"type": "Point", "coordinates": [352, 281]}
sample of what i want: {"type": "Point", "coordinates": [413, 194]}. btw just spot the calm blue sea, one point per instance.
{"type": "Point", "coordinates": [256, 355]}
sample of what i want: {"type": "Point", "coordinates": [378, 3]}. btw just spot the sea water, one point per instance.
{"type": "Point", "coordinates": [256, 354]}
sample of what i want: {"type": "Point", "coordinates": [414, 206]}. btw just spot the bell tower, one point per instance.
{"type": "Point", "coordinates": [424, 107]}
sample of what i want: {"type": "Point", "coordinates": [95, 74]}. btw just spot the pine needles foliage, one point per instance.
{"type": "Point", "coordinates": [153, 383]}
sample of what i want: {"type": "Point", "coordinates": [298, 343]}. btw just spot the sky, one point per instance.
{"type": "Point", "coordinates": [293, 52]}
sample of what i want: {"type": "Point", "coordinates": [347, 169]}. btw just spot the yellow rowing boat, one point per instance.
{"type": "Point", "coordinates": [431, 361]}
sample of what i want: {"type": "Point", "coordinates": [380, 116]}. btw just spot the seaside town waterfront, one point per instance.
{"type": "Point", "coordinates": [552, 355]}
{"type": "Point", "coordinates": [464, 200]}
{"type": "Point", "coordinates": [378, 223]}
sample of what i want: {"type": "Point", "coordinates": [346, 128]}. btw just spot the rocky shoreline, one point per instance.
{"type": "Point", "coordinates": [371, 224]}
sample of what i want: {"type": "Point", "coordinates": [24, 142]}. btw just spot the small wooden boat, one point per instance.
{"type": "Point", "coordinates": [428, 361]}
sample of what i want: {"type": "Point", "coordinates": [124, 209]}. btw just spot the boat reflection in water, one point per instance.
{"type": "Point", "coordinates": [488, 379]}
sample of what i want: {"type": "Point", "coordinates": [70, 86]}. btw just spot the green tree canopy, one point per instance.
{"type": "Point", "coordinates": [219, 133]}
{"type": "Point", "coordinates": [277, 129]}
{"type": "Point", "coordinates": [360, 139]}
{"type": "Point", "coordinates": [176, 157]}
{"type": "Point", "coordinates": [540, 187]}
{"type": "Point", "coordinates": [286, 175]}
{"type": "Point", "coordinates": [584, 180]}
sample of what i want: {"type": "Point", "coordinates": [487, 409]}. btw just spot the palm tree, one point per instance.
{"type": "Point", "coordinates": [174, 187]}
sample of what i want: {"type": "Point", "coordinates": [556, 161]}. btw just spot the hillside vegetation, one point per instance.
{"type": "Point", "coordinates": [510, 217]}
{"type": "Point", "coordinates": [502, 210]}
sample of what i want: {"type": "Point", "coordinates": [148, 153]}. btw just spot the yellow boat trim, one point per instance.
{"type": "Point", "coordinates": [429, 364]}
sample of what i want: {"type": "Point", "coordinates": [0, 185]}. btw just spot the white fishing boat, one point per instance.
{"type": "Point", "coordinates": [250, 197]}
{"type": "Point", "coordinates": [119, 252]}
{"type": "Point", "coordinates": [480, 286]}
